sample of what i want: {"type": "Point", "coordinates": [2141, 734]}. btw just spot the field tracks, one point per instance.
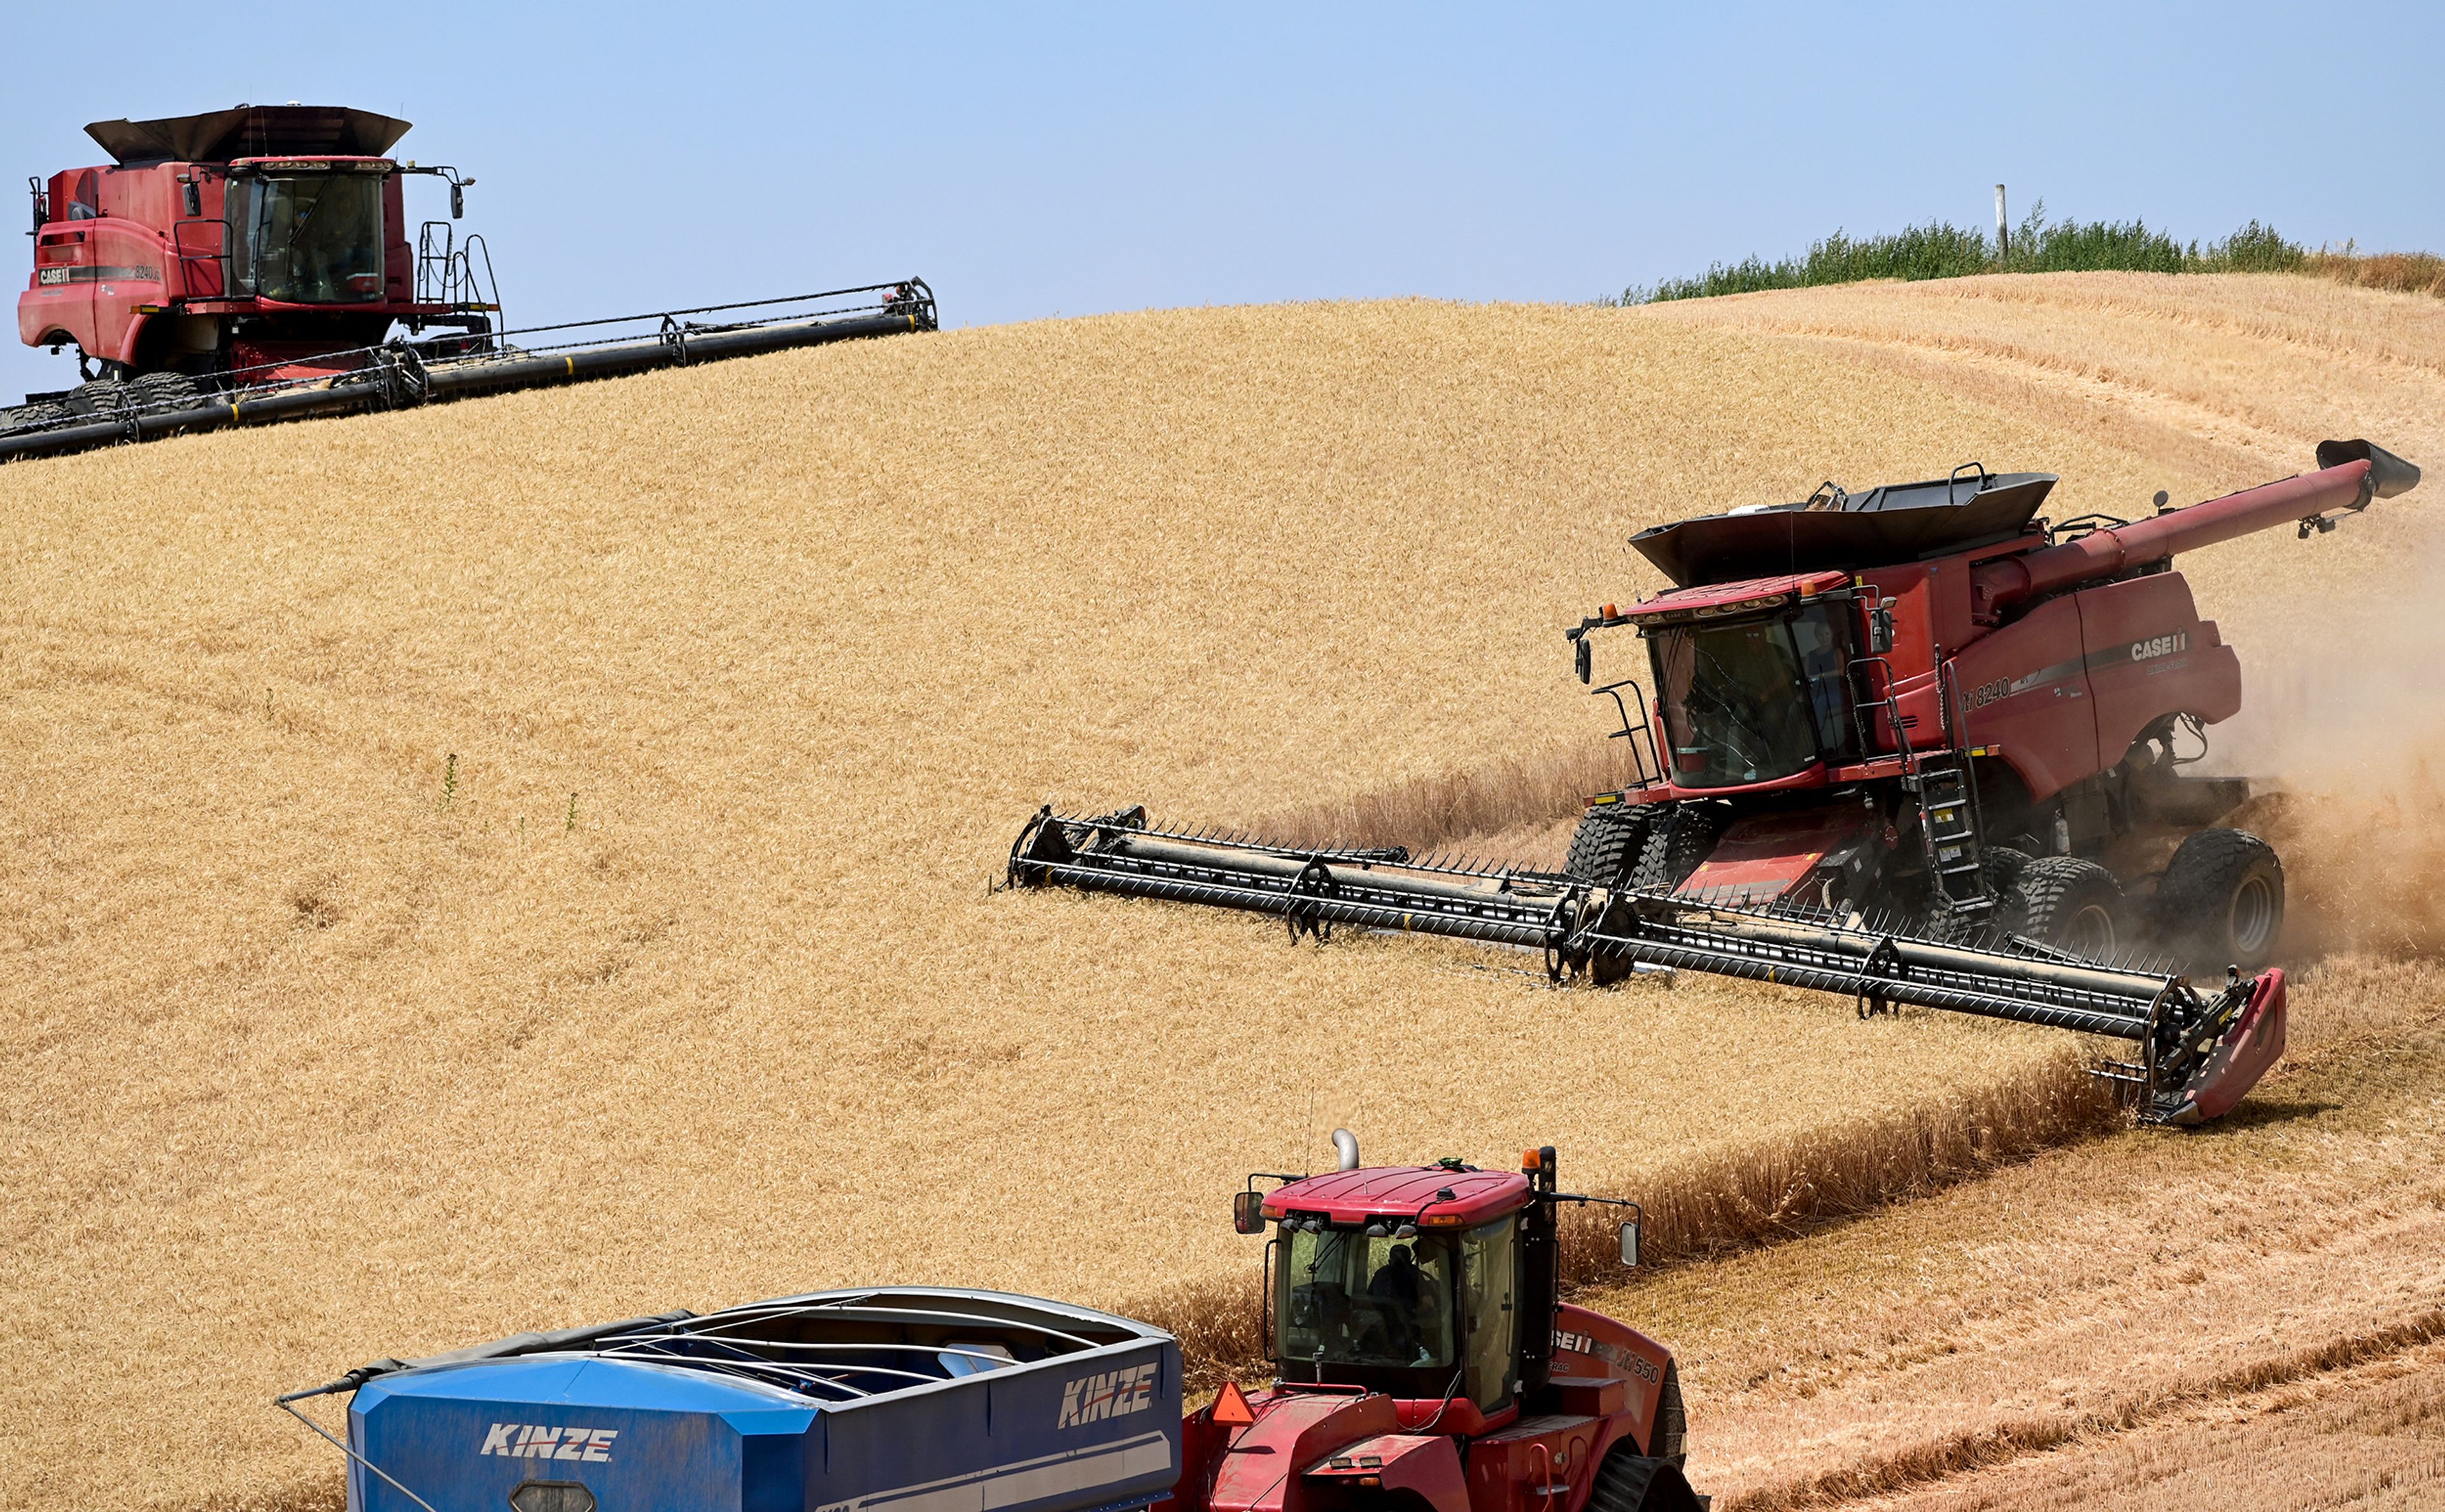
{"type": "Point", "coordinates": [1960, 1453]}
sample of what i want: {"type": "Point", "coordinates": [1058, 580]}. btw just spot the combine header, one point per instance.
{"type": "Point", "coordinates": [1915, 746]}
{"type": "Point", "coordinates": [250, 265]}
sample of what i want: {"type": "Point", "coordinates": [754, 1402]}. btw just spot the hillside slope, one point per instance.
{"type": "Point", "coordinates": [525, 862]}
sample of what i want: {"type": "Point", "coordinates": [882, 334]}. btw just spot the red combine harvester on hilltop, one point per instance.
{"type": "Point", "coordinates": [1913, 745]}
{"type": "Point", "coordinates": [1425, 1360]}
{"type": "Point", "coordinates": [251, 264]}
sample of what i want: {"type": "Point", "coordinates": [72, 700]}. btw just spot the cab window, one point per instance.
{"type": "Point", "coordinates": [1489, 1287]}
{"type": "Point", "coordinates": [1351, 1300]}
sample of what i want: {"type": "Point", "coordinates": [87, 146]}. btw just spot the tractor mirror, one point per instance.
{"type": "Point", "coordinates": [1630, 1242]}
{"type": "Point", "coordinates": [458, 202]}
{"type": "Point", "coordinates": [1248, 1212]}
{"type": "Point", "coordinates": [1880, 628]}
{"type": "Point", "coordinates": [195, 198]}
{"type": "Point", "coordinates": [1584, 657]}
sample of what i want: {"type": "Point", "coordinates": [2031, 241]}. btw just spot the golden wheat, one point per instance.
{"type": "Point", "coordinates": [684, 987]}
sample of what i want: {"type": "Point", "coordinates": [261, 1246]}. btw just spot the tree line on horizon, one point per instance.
{"type": "Point", "coordinates": [1942, 250]}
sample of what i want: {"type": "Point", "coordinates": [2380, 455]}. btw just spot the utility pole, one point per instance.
{"type": "Point", "coordinates": [2002, 228]}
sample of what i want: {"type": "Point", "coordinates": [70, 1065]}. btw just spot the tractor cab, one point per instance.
{"type": "Point", "coordinates": [1414, 1319]}
{"type": "Point", "coordinates": [1434, 1285]}
{"type": "Point", "coordinates": [1405, 1281]}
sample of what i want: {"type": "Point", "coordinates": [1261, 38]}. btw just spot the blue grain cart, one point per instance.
{"type": "Point", "coordinates": [899, 1399]}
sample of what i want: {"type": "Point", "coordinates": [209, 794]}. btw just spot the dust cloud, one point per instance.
{"type": "Point", "coordinates": [2343, 722]}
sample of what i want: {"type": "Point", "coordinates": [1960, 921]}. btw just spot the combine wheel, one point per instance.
{"type": "Point", "coordinates": [1633, 1483]}
{"type": "Point", "coordinates": [1677, 842]}
{"type": "Point", "coordinates": [1606, 844]}
{"type": "Point", "coordinates": [26, 416]}
{"type": "Point", "coordinates": [113, 396]}
{"type": "Point", "coordinates": [2222, 901]}
{"type": "Point", "coordinates": [2071, 905]}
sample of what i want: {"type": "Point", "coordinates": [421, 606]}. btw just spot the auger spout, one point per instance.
{"type": "Point", "coordinates": [2350, 474]}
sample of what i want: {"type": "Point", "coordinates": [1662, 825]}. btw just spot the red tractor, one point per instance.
{"type": "Point", "coordinates": [1424, 1359]}
{"type": "Point", "coordinates": [258, 243]}
{"type": "Point", "coordinates": [1925, 704]}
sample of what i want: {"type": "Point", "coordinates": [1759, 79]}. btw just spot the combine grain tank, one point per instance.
{"type": "Point", "coordinates": [900, 1399]}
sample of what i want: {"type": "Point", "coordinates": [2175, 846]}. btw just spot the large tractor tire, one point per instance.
{"type": "Point", "coordinates": [2222, 901]}
{"type": "Point", "coordinates": [26, 416]}
{"type": "Point", "coordinates": [1606, 844]}
{"type": "Point", "coordinates": [1634, 1483]}
{"type": "Point", "coordinates": [1678, 841]}
{"type": "Point", "coordinates": [2072, 905]}
{"type": "Point", "coordinates": [1670, 1440]}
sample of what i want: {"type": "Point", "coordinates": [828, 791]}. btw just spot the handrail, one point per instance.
{"type": "Point", "coordinates": [1891, 703]}
{"type": "Point", "coordinates": [1631, 730]}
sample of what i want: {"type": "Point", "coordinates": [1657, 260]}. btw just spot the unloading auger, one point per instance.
{"type": "Point", "coordinates": [2197, 1048]}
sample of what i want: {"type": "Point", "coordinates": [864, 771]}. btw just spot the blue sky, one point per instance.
{"type": "Point", "coordinates": [1034, 162]}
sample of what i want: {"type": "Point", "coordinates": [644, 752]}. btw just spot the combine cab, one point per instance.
{"type": "Point", "coordinates": [1913, 745]}
{"type": "Point", "coordinates": [256, 264]}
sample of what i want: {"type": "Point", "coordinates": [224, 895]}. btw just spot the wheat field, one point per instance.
{"type": "Point", "coordinates": [526, 862]}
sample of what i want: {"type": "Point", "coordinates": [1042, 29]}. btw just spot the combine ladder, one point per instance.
{"type": "Point", "coordinates": [1948, 821]}
{"type": "Point", "coordinates": [1947, 787]}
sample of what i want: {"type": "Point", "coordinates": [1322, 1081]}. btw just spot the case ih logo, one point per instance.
{"type": "Point", "coordinates": [2162, 646]}
{"type": "Point", "coordinates": [1091, 1398]}
{"type": "Point", "coordinates": [533, 1440]}
{"type": "Point", "coordinates": [1596, 1349]}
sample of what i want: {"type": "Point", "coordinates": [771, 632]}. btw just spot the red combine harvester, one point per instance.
{"type": "Point", "coordinates": [1424, 1359]}
{"type": "Point", "coordinates": [1913, 745]}
{"type": "Point", "coordinates": [1922, 703]}
{"type": "Point", "coordinates": [251, 264]}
